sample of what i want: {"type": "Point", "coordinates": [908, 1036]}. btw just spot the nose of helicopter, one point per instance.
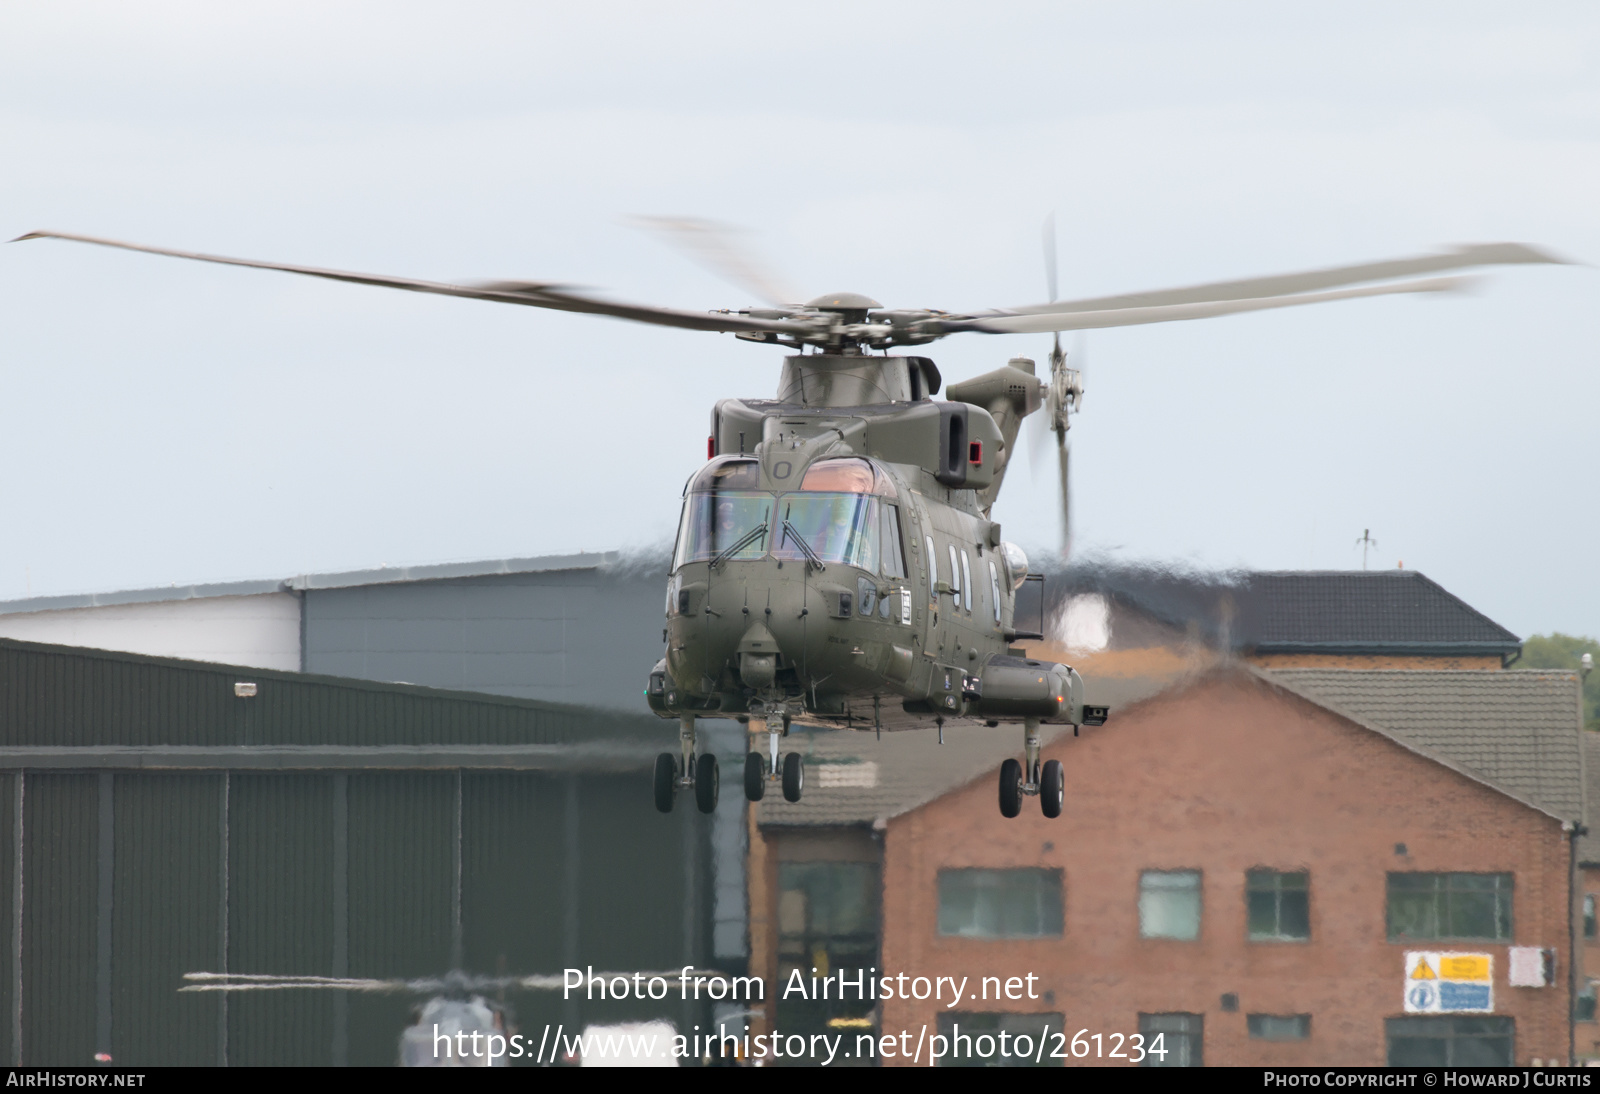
{"type": "Point", "coordinates": [757, 624]}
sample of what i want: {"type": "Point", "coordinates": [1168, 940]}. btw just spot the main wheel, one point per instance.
{"type": "Point", "coordinates": [794, 777]}
{"type": "Point", "coordinates": [705, 783]}
{"type": "Point", "coordinates": [666, 781]}
{"type": "Point", "coordinates": [1010, 788]}
{"type": "Point", "coordinates": [1052, 788]}
{"type": "Point", "coordinates": [755, 776]}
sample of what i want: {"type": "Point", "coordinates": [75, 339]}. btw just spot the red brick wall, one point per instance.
{"type": "Point", "coordinates": [1227, 775]}
{"type": "Point", "coordinates": [1587, 1034]}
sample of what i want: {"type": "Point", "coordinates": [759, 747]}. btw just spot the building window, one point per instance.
{"type": "Point", "coordinates": [975, 1040]}
{"type": "Point", "coordinates": [1023, 903]}
{"type": "Point", "coordinates": [1169, 904]}
{"type": "Point", "coordinates": [1449, 1042]}
{"type": "Point", "coordinates": [1588, 916]}
{"type": "Point", "coordinates": [1450, 906]}
{"type": "Point", "coordinates": [1583, 1006]}
{"type": "Point", "coordinates": [827, 921]}
{"type": "Point", "coordinates": [1279, 1027]}
{"type": "Point", "coordinates": [1279, 905]}
{"type": "Point", "coordinates": [1173, 1040]}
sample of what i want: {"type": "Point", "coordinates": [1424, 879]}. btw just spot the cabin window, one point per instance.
{"type": "Point", "coordinates": [955, 581]}
{"type": "Point", "coordinates": [717, 522]}
{"type": "Point", "coordinates": [966, 582]}
{"type": "Point", "coordinates": [933, 571]}
{"type": "Point", "coordinates": [894, 555]}
{"type": "Point", "coordinates": [836, 527]}
{"type": "Point", "coordinates": [994, 591]}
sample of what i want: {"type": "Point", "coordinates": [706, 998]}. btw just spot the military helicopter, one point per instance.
{"type": "Point", "coordinates": [458, 1020]}
{"type": "Point", "coordinates": [836, 564]}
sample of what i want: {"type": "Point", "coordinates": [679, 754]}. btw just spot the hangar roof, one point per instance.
{"type": "Point", "coordinates": [383, 575]}
{"type": "Point", "coordinates": [64, 706]}
{"type": "Point", "coordinates": [1328, 611]}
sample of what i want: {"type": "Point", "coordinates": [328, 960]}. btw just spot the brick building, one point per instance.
{"type": "Point", "coordinates": [1586, 1029]}
{"type": "Point", "coordinates": [1245, 861]}
{"type": "Point", "coordinates": [1240, 782]}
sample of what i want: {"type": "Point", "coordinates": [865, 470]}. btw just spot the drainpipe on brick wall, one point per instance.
{"type": "Point", "coordinates": [1573, 831]}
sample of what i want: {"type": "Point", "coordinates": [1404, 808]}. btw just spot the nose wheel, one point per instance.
{"type": "Point", "coordinates": [1047, 782]}
{"type": "Point", "coordinates": [789, 771]}
{"type": "Point", "coordinates": [699, 774]}
{"type": "Point", "coordinates": [755, 777]}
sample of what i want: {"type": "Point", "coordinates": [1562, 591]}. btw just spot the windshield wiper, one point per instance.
{"type": "Point", "coordinates": [758, 532]}
{"type": "Point", "coordinates": [811, 556]}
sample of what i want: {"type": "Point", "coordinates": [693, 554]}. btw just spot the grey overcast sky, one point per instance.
{"type": "Point", "coordinates": [163, 421]}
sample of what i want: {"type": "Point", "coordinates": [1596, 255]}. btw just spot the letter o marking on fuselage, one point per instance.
{"type": "Point", "coordinates": [782, 469]}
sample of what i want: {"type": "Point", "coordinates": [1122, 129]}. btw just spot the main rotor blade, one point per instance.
{"type": "Point", "coordinates": [530, 293]}
{"type": "Point", "coordinates": [1039, 323]}
{"type": "Point", "coordinates": [1050, 255]}
{"type": "Point", "coordinates": [457, 981]}
{"type": "Point", "coordinates": [712, 245]}
{"type": "Point", "coordinates": [1455, 258]}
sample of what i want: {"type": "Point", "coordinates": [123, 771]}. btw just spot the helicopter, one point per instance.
{"type": "Point", "coordinates": [461, 1015]}
{"type": "Point", "coordinates": [836, 564]}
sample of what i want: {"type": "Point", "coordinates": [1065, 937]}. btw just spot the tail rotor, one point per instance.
{"type": "Point", "coordinates": [1064, 396]}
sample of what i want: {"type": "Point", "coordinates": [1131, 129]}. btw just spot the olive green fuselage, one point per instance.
{"type": "Point", "coordinates": [851, 644]}
{"type": "Point", "coordinates": [836, 564]}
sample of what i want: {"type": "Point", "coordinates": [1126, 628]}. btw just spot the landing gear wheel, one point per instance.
{"type": "Point", "coordinates": [1010, 788]}
{"type": "Point", "coordinates": [794, 777]}
{"type": "Point", "coordinates": [705, 783]}
{"type": "Point", "coordinates": [1052, 788]}
{"type": "Point", "coordinates": [666, 781]}
{"type": "Point", "coordinates": [755, 776]}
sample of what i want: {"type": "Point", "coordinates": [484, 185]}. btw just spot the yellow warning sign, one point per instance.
{"type": "Point", "coordinates": [1464, 966]}
{"type": "Point", "coordinates": [1449, 983]}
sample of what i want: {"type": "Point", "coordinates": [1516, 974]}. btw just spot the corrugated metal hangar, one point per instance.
{"type": "Point", "coordinates": [157, 819]}
{"type": "Point", "coordinates": [529, 627]}
{"type": "Point", "coordinates": [582, 629]}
